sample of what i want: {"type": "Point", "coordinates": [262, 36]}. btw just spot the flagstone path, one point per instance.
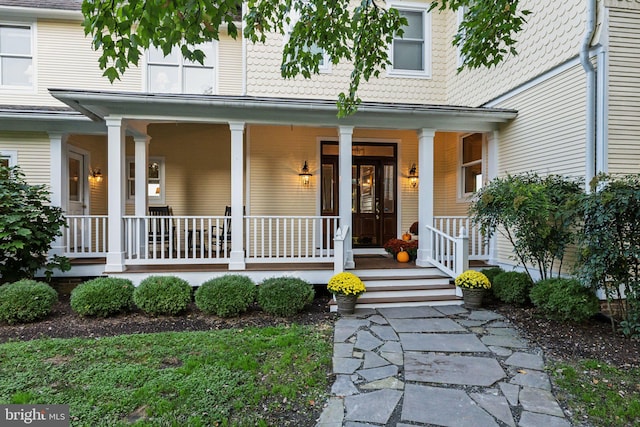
{"type": "Point", "coordinates": [437, 366]}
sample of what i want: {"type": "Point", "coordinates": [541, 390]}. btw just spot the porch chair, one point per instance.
{"type": "Point", "coordinates": [223, 234]}
{"type": "Point", "coordinates": [164, 228]}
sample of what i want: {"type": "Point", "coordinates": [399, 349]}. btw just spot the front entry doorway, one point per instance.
{"type": "Point", "coordinates": [373, 191]}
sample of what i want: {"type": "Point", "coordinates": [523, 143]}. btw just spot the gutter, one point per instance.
{"type": "Point", "coordinates": [590, 136]}
{"type": "Point", "coordinates": [40, 13]}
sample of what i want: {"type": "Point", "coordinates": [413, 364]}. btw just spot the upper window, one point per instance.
{"type": "Point", "coordinates": [471, 165]}
{"type": "Point", "coordinates": [16, 61]}
{"type": "Point", "coordinates": [324, 66]}
{"type": "Point", "coordinates": [411, 53]}
{"type": "Point", "coordinates": [174, 74]}
{"type": "Point", "coordinates": [155, 180]}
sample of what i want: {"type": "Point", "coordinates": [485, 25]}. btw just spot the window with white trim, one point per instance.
{"type": "Point", "coordinates": [16, 57]}
{"type": "Point", "coordinates": [8, 158]}
{"type": "Point", "coordinates": [324, 66]}
{"type": "Point", "coordinates": [155, 180]}
{"type": "Point", "coordinates": [459, 18]}
{"type": "Point", "coordinates": [471, 165]}
{"type": "Point", "coordinates": [411, 52]}
{"type": "Point", "coordinates": [174, 74]}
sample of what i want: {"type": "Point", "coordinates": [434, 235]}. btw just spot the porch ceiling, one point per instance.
{"type": "Point", "coordinates": [279, 111]}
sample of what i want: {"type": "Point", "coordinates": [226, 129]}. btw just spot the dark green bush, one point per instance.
{"type": "Point", "coordinates": [512, 287]}
{"type": "Point", "coordinates": [284, 296]}
{"type": "Point", "coordinates": [25, 301]}
{"type": "Point", "coordinates": [491, 273]}
{"type": "Point", "coordinates": [226, 296]}
{"type": "Point", "coordinates": [162, 295]}
{"type": "Point", "coordinates": [102, 297]}
{"type": "Point", "coordinates": [564, 299]}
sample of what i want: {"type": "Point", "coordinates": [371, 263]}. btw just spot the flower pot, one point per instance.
{"type": "Point", "coordinates": [472, 297]}
{"type": "Point", "coordinates": [346, 303]}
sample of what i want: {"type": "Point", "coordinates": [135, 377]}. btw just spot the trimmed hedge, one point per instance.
{"type": "Point", "coordinates": [284, 296]}
{"type": "Point", "coordinates": [226, 296]}
{"type": "Point", "coordinates": [512, 287]}
{"type": "Point", "coordinates": [491, 273]}
{"type": "Point", "coordinates": [564, 299]}
{"type": "Point", "coordinates": [162, 295]}
{"type": "Point", "coordinates": [26, 301]}
{"type": "Point", "coordinates": [102, 297]}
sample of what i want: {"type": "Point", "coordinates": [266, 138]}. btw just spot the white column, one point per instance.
{"type": "Point", "coordinates": [237, 192]}
{"type": "Point", "coordinates": [116, 193]}
{"type": "Point", "coordinates": [141, 181]}
{"type": "Point", "coordinates": [492, 172]}
{"type": "Point", "coordinates": [58, 182]}
{"type": "Point", "coordinates": [344, 190]}
{"type": "Point", "coordinates": [425, 192]}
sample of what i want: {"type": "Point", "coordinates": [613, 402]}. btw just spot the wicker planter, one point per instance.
{"type": "Point", "coordinates": [346, 303]}
{"type": "Point", "coordinates": [472, 297]}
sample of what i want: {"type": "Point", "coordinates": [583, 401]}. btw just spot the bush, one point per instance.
{"type": "Point", "coordinates": [491, 273]}
{"type": "Point", "coordinates": [564, 299]}
{"type": "Point", "coordinates": [102, 297]}
{"type": "Point", "coordinates": [162, 295]}
{"type": "Point", "coordinates": [226, 296]}
{"type": "Point", "coordinates": [26, 301]}
{"type": "Point", "coordinates": [284, 296]}
{"type": "Point", "coordinates": [512, 287]}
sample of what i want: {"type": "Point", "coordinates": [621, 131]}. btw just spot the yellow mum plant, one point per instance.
{"type": "Point", "coordinates": [472, 279]}
{"type": "Point", "coordinates": [346, 284]}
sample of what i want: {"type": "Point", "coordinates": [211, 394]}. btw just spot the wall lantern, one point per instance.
{"type": "Point", "coordinates": [305, 176]}
{"type": "Point", "coordinates": [95, 175]}
{"type": "Point", "coordinates": [413, 176]}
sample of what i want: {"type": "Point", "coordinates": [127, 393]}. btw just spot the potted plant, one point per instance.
{"type": "Point", "coordinates": [474, 285]}
{"type": "Point", "coordinates": [393, 246]}
{"type": "Point", "coordinates": [346, 288]}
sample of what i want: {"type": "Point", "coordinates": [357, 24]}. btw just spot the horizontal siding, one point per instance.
{"type": "Point", "coordinates": [230, 66]}
{"type": "Point", "coordinates": [624, 85]}
{"type": "Point", "coordinates": [34, 153]}
{"type": "Point", "coordinates": [446, 176]}
{"type": "Point", "coordinates": [96, 146]}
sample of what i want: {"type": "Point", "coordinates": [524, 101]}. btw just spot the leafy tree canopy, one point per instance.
{"type": "Point", "coordinates": [122, 29]}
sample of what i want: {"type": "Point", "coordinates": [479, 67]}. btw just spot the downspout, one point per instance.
{"type": "Point", "coordinates": [590, 151]}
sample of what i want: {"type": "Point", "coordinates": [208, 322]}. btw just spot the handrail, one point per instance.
{"type": "Point", "coordinates": [85, 236]}
{"type": "Point", "coordinates": [450, 254]}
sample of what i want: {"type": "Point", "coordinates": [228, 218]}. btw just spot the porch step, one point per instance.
{"type": "Point", "coordinates": [404, 288]}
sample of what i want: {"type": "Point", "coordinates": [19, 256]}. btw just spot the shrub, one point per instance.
{"type": "Point", "coordinates": [564, 299]}
{"type": "Point", "coordinates": [491, 273]}
{"type": "Point", "coordinates": [26, 301]}
{"type": "Point", "coordinates": [284, 296]}
{"type": "Point", "coordinates": [512, 287]}
{"type": "Point", "coordinates": [226, 296]}
{"type": "Point", "coordinates": [162, 295]}
{"type": "Point", "coordinates": [102, 297]}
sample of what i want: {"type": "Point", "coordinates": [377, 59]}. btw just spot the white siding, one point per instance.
{"type": "Point", "coordinates": [34, 153]}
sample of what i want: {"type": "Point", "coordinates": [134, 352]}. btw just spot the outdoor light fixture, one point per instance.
{"type": "Point", "coordinates": [413, 176]}
{"type": "Point", "coordinates": [95, 175]}
{"type": "Point", "coordinates": [305, 175]}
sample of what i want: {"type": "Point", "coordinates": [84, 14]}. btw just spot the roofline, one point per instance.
{"type": "Point", "coordinates": [36, 12]}
{"type": "Point", "coordinates": [101, 104]}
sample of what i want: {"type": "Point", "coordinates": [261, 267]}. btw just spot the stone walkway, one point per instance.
{"type": "Point", "coordinates": [436, 366]}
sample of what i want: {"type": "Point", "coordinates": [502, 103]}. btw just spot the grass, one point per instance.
{"type": "Point", "coordinates": [603, 394]}
{"type": "Point", "coordinates": [232, 377]}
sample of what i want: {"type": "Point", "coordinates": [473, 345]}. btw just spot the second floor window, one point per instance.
{"type": "Point", "coordinates": [410, 54]}
{"type": "Point", "coordinates": [16, 61]}
{"type": "Point", "coordinates": [174, 74]}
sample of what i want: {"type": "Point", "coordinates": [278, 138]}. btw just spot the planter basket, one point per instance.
{"type": "Point", "coordinates": [346, 303]}
{"type": "Point", "coordinates": [473, 297]}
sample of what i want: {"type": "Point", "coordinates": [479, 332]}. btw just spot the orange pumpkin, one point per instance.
{"type": "Point", "coordinates": [403, 256]}
{"type": "Point", "coordinates": [406, 237]}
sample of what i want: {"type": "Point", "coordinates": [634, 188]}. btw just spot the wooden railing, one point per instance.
{"type": "Point", "coordinates": [176, 239]}
{"type": "Point", "coordinates": [271, 239]}
{"type": "Point", "coordinates": [450, 254]}
{"type": "Point", "coordinates": [85, 236]}
{"type": "Point", "coordinates": [479, 248]}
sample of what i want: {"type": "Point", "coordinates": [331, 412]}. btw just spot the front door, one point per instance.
{"type": "Point", "coordinates": [373, 191]}
{"type": "Point", "coordinates": [76, 198]}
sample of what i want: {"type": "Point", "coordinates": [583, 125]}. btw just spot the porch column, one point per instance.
{"type": "Point", "coordinates": [141, 181]}
{"type": "Point", "coordinates": [425, 192]}
{"type": "Point", "coordinates": [492, 172]}
{"type": "Point", "coordinates": [236, 261]}
{"type": "Point", "coordinates": [344, 190]}
{"type": "Point", "coordinates": [58, 182]}
{"type": "Point", "coordinates": [115, 193]}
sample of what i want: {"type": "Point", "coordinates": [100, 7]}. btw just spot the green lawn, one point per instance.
{"type": "Point", "coordinates": [252, 376]}
{"type": "Point", "coordinates": [605, 395]}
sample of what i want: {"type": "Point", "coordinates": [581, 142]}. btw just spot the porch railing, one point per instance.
{"type": "Point", "coordinates": [85, 236]}
{"type": "Point", "coordinates": [450, 254]}
{"type": "Point", "coordinates": [271, 239]}
{"type": "Point", "coordinates": [176, 239]}
{"type": "Point", "coordinates": [479, 248]}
